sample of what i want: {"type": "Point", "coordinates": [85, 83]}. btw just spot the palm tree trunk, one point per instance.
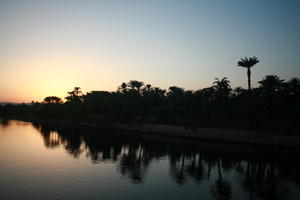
{"type": "Point", "coordinates": [249, 78]}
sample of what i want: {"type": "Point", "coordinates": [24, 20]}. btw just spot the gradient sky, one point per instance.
{"type": "Point", "coordinates": [49, 47]}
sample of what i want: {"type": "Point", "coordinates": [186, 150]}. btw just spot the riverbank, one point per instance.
{"type": "Point", "coordinates": [234, 136]}
{"type": "Point", "coordinates": [247, 137]}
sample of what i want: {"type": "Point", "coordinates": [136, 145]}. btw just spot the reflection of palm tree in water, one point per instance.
{"type": "Point", "coordinates": [4, 123]}
{"type": "Point", "coordinates": [186, 164]}
{"type": "Point", "coordinates": [131, 163]}
{"type": "Point", "coordinates": [221, 189]}
{"type": "Point", "coordinates": [177, 161]}
{"type": "Point", "coordinates": [261, 180]}
{"type": "Point", "coordinates": [51, 137]}
{"type": "Point", "coordinates": [196, 170]}
{"type": "Point", "coordinates": [133, 158]}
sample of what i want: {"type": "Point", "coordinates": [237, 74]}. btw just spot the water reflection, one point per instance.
{"type": "Point", "coordinates": [133, 154]}
{"type": "Point", "coordinates": [4, 123]}
{"type": "Point", "coordinates": [259, 174]}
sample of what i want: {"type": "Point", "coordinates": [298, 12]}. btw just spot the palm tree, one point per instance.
{"type": "Point", "coordinates": [224, 83]}
{"type": "Point", "coordinates": [294, 86]}
{"type": "Point", "coordinates": [148, 86]}
{"type": "Point", "coordinates": [238, 91]}
{"type": "Point", "coordinates": [222, 87]}
{"type": "Point", "coordinates": [221, 189]}
{"type": "Point", "coordinates": [270, 86]}
{"type": "Point", "coordinates": [75, 95]}
{"type": "Point", "coordinates": [248, 63]}
{"type": "Point", "coordinates": [175, 91]}
{"type": "Point", "coordinates": [159, 92]}
{"type": "Point", "coordinates": [122, 88]}
{"type": "Point", "coordinates": [135, 85]}
{"type": "Point", "coordinates": [147, 89]}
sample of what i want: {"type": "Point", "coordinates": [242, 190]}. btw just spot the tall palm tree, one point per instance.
{"type": "Point", "coordinates": [248, 63]}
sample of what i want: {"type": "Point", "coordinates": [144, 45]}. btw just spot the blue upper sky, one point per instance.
{"type": "Point", "coordinates": [48, 47]}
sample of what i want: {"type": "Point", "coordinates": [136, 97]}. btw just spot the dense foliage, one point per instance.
{"type": "Point", "coordinates": [274, 105]}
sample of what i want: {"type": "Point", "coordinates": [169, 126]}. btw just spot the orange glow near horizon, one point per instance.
{"type": "Point", "coordinates": [34, 79]}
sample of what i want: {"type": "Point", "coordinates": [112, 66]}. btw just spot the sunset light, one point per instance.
{"type": "Point", "coordinates": [49, 47]}
{"type": "Point", "coordinates": [149, 99]}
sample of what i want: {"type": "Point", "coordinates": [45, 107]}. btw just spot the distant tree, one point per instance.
{"type": "Point", "coordinates": [248, 63]}
{"type": "Point", "coordinates": [294, 86]}
{"type": "Point", "coordinates": [271, 84]}
{"type": "Point", "coordinates": [52, 100]}
{"type": "Point", "coordinates": [147, 90]}
{"type": "Point", "coordinates": [75, 95]}
{"type": "Point", "coordinates": [135, 85]}
{"type": "Point", "coordinates": [159, 92]}
{"type": "Point", "coordinates": [238, 91]}
{"type": "Point", "coordinates": [175, 91]}
{"type": "Point", "coordinates": [215, 106]}
{"type": "Point", "coordinates": [222, 87]}
{"type": "Point", "coordinates": [208, 94]}
{"type": "Point", "coordinates": [122, 88]}
{"type": "Point", "coordinates": [148, 87]}
{"type": "Point", "coordinates": [96, 101]}
{"type": "Point", "coordinates": [176, 100]}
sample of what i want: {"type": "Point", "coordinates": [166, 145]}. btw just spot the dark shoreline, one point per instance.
{"type": "Point", "coordinates": [215, 135]}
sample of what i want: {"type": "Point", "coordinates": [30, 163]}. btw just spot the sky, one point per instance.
{"type": "Point", "coordinates": [49, 47]}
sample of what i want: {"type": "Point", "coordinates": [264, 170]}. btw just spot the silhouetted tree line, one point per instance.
{"type": "Point", "coordinates": [260, 177]}
{"type": "Point", "coordinates": [274, 105]}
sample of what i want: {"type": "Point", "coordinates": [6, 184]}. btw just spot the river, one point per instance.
{"type": "Point", "coordinates": [50, 161]}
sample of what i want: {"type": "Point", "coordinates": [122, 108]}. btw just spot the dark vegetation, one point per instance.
{"type": "Point", "coordinates": [273, 106]}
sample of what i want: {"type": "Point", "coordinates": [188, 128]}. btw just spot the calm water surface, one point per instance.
{"type": "Point", "coordinates": [54, 162]}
